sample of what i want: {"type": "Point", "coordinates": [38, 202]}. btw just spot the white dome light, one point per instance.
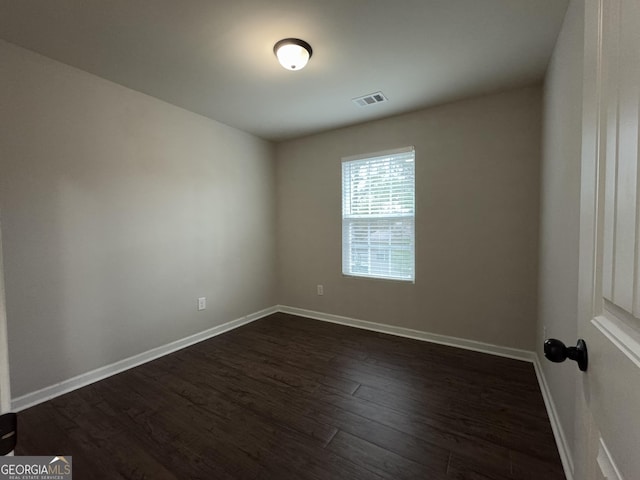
{"type": "Point", "coordinates": [292, 53]}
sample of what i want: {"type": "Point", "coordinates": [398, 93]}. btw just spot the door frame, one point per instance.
{"type": "Point", "coordinates": [5, 385]}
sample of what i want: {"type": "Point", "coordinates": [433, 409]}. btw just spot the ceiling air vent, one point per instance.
{"type": "Point", "coordinates": [371, 99]}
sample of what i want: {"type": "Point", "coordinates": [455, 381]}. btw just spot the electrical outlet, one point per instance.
{"type": "Point", "coordinates": [544, 332]}
{"type": "Point", "coordinates": [202, 303]}
{"type": "Point", "coordinates": [320, 290]}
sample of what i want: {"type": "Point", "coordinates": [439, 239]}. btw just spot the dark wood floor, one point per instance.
{"type": "Point", "coordinates": [291, 398]}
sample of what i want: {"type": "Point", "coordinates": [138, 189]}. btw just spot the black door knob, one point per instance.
{"type": "Point", "coordinates": [556, 351]}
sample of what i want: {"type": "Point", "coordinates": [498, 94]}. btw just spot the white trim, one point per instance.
{"type": "Point", "coordinates": [508, 352]}
{"type": "Point", "coordinates": [383, 153]}
{"type": "Point", "coordinates": [554, 419]}
{"type": "Point", "coordinates": [620, 335]}
{"type": "Point", "coordinates": [514, 353]}
{"type": "Point", "coordinates": [607, 466]}
{"type": "Point", "coordinates": [82, 380]}
{"type": "Point", "coordinates": [5, 384]}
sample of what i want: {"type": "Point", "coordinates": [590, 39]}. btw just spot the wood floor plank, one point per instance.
{"type": "Point", "coordinates": [467, 468]}
{"type": "Point", "coordinates": [381, 461]}
{"type": "Point", "coordinates": [291, 398]}
{"type": "Point", "coordinates": [255, 392]}
{"type": "Point", "coordinates": [531, 436]}
{"type": "Point", "coordinates": [430, 448]}
{"type": "Point", "coordinates": [189, 432]}
{"type": "Point", "coordinates": [526, 467]}
{"type": "Point", "coordinates": [430, 430]}
{"type": "Point", "coordinates": [256, 353]}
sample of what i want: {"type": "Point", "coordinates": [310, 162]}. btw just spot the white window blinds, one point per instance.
{"type": "Point", "coordinates": [378, 215]}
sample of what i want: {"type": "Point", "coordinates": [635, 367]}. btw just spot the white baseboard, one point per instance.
{"type": "Point", "coordinates": [608, 467]}
{"type": "Point", "coordinates": [66, 386]}
{"type": "Point", "coordinates": [517, 354]}
{"type": "Point", "coordinates": [558, 432]}
{"type": "Point", "coordinates": [498, 350]}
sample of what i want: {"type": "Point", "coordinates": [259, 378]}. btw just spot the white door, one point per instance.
{"type": "Point", "coordinates": [608, 403]}
{"type": "Point", "coordinates": [5, 393]}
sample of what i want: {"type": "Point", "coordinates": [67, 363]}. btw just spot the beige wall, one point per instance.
{"type": "Point", "coordinates": [477, 170]}
{"type": "Point", "coordinates": [118, 211]}
{"type": "Point", "coordinates": [560, 210]}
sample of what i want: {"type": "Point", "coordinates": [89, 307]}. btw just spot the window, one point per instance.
{"type": "Point", "coordinates": [378, 215]}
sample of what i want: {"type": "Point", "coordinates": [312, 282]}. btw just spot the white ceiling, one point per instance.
{"type": "Point", "coordinates": [215, 57]}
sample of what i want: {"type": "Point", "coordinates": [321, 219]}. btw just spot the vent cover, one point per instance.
{"type": "Point", "coordinates": [370, 99]}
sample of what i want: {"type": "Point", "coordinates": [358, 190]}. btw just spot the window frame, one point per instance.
{"type": "Point", "coordinates": [349, 219]}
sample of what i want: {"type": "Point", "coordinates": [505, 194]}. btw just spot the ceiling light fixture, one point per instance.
{"type": "Point", "coordinates": [292, 53]}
